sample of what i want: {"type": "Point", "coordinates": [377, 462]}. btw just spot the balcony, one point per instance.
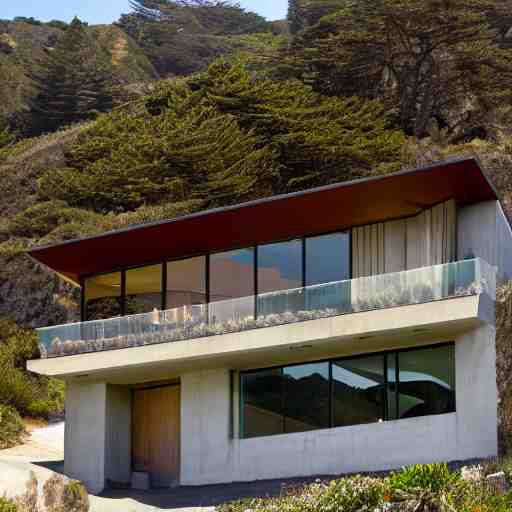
{"type": "Point", "coordinates": [418, 286]}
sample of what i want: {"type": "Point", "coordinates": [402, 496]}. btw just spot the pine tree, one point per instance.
{"type": "Point", "coordinates": [73, 84]}
{"type": "Point", "coordinates": [425, 58]}
{"type": "Point", "coordinates": [294, 16]}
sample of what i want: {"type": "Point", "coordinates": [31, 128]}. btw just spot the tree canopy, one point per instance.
{"type": "Point", "coordinates": [183, 36]}
{"type": "Point", "coordinates": [223, 136]}
{"type": "Point", "coordinates": [424, 58]}
{"type": "Point", "coordinates": [73, 83]}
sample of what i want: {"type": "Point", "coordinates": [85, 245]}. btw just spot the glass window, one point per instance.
{"type": "Point", "coordinates": [103, 296]}
{"type": "Point", "coordinates": [358, 390]}
{"type": "Point", "coordinates": [349, 391]}
{"type": "Point", "coordinates": [426, 381]}
{"type": "Point", "coordinates": [306, 397]}
{"type": "Point", "coordinates": [232, 274]}
{"type": "Point", "coordinates": [392, 397]}
{"type": "Point", "coordinates": [262, 399]}
{"type": "Point", "coordinates": [143, 289]}
{"type": "Point", "coordinates": [327, 258]}
{"type": "Point", "coordinates": [280, 266]}
{"type": "Point", "coordinates": [232, 285]}
{"type": "Point", "coordinates": [186, 282]}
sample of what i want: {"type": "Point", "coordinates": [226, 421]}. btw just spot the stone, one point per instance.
{"type": "Point", "coordinates": [472, 473]}
{"type": "Point", "coordinates": [140, 481]}
{"type": "Point", "coordinates": [498, 483]}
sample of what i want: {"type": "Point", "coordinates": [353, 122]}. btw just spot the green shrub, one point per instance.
{"type": "Point", "coordinates": [430, 477]}
{"type": "Point", "coordinates": [12, 429]}
{"type": "Point", "coordinates": [7, 506]}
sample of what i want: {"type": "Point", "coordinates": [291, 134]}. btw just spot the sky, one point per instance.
{"type": "Point", "coordinates": [107, 11]}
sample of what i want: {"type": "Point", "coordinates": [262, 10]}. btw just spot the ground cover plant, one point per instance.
{"type": "Point", "coordinates": [419, 488]}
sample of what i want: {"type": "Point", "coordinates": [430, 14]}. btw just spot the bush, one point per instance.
{"type": "Point", "coordinates": [7, 506]}
{"type": "Point", "coordinates": [29, 394]}
{"type": "Point", "coordinates": [430, 477]}
{"type": "Point", "coordinates": [12, 429]}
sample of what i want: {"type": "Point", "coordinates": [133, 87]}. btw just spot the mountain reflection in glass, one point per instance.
{"type": "Point", "coordinates": [358, 391]}
{"type": "Point", "coordinates": [262, 412]}
{"type": "Point", "coordinates": [306, 397]}
{"type": "Point", "coordinates": [426, 381]}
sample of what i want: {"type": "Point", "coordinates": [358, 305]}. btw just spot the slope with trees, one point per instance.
{"type": "Point", "coordinates": [425, 59]}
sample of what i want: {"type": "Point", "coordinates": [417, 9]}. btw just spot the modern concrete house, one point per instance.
{"type": "Point", "coordinates": [341, 329]}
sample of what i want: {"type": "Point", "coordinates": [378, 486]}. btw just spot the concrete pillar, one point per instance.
{"type": "Point", "coordinates": [206, 450]}
{"type": "Point", "coordinates": [85, 434]}
{"type": "Point", "coordinates": [477, 395]}
{"type": "Point", "coordinates": [97, 444]}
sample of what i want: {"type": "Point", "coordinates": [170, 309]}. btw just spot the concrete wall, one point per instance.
{"type": "Point", "coordinates": [84, 440]}
{"type": "Point", "coordinates": [210, 456]}
{"type": "Point", "coordinates": [484, 231]}
{"type": "Point", "coordinates": [97, 438]}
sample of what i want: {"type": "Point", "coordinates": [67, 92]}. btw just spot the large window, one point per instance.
{"type": "Point", "coordinates": [349, 391]}
{"type": "Point", "coordinates": [186, 282]}
{"type": "Point", "coordinates": [306, 397]}
{"type": "Point", "coordinates": [280, 266]}
{"type": "Point", "coordinates": [327, 258]}
{"type": "Point", "coordinates": [238, 284]}
{"type": "Point", "coordinates": [232, 285]}
{"type": "Point", "coordinates": [103, 296]}
{"type": "Point", "coordinates": [358, 390]}
{"type": "Point", "coordinates": [143, 289]}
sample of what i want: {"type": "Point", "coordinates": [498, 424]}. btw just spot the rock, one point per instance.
{"type": "Point", "coordinates": [472, 473]}
{"type": "Point", "coordinates": [498, 483]}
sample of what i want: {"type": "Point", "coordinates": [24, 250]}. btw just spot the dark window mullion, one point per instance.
{"type": "Point", "coordinates": [123, 293]}
{"type": "Point", "coordinates": [164, 286]}
{"type": "Point", "coordinates": [207, 287]}
{"type": "Point", "coordinates": [397, 384]}
{"type": "Point", "coordinates": [331, 397]}
{"type": "Point", "coordinates": [283, 401]}
{"type": "Point", "coordinates": [256, 282]}
{"type": "Point", "coordinates": [386, 389]}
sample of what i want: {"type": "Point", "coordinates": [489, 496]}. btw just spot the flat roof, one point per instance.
{"type": "Point", "coordinates": [315, 211]}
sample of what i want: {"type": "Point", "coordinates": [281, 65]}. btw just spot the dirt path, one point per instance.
{"type": "Point", "coordinates": [45, 443]}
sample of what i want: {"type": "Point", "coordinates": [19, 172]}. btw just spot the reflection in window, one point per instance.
{"type": "Point", "coordinates": [426, 381]}
{"type": "Point", "coordinates": [297, 398]}
{"type": "Point", "coordinates": [327, 258]}
{"type": "Point", "coordinates": [103, 296]}
{"type": "Point", "coordinates": [186, 282]}
{"type": "Point", "coordinates": [232, 285]}
{"type": "Point", "coordinates": [143, 289]}
{"type": "Point", "coordinates": [280, 266]}
{"type": "Point", "coordinates": [358, 390]}
{"type": "Point", "coordinates": [262, 413]}
{"type": "Point", "coordinates": [306, 397]}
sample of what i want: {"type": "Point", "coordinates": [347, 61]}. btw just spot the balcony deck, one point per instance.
{"type": "Point", "coordinates": [419, 286]}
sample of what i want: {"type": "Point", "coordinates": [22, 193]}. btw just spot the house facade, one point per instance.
{"type": "Point", "coordinates": [342, 329]}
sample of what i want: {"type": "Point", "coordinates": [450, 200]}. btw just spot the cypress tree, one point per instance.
{"type": "Point", "coordinates": [73, 83]}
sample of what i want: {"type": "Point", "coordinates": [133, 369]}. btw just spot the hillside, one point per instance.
{"type": "Point", "coordinates": [23, 46]}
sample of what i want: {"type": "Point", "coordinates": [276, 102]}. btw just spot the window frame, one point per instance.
{"type": "Point", "coordinates": [207, 256]}
{"type": "Point", "coordinates": [385, 354]}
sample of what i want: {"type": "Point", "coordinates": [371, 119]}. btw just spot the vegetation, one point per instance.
{"type": "Point", "coordinates": [425, 59]}
{"type": "Point", "coordinates": [183, 36]}
{"type": "Point", "coordinates": [22, 393]}
{"type": "Point", "coordinates": [430, 488]}
{"type": "Point", "coordinates": [74, 84]}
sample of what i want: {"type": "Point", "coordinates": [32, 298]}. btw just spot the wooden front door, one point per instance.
{"type": "Point", "coordinates": [156, 434]}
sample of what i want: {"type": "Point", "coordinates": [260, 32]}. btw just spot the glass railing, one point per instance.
{"type": "Point", "coordinates": [426, 284]}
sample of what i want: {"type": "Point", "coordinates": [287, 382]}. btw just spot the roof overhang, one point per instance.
{"type": "Point", "coordinates": [315, 211]}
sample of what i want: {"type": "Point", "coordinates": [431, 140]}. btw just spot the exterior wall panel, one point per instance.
{"type": "Point", "coordinates": [211, 456]}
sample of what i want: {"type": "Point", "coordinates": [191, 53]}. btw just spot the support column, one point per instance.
{"type": "Point", "coordinates": [85, 434]}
